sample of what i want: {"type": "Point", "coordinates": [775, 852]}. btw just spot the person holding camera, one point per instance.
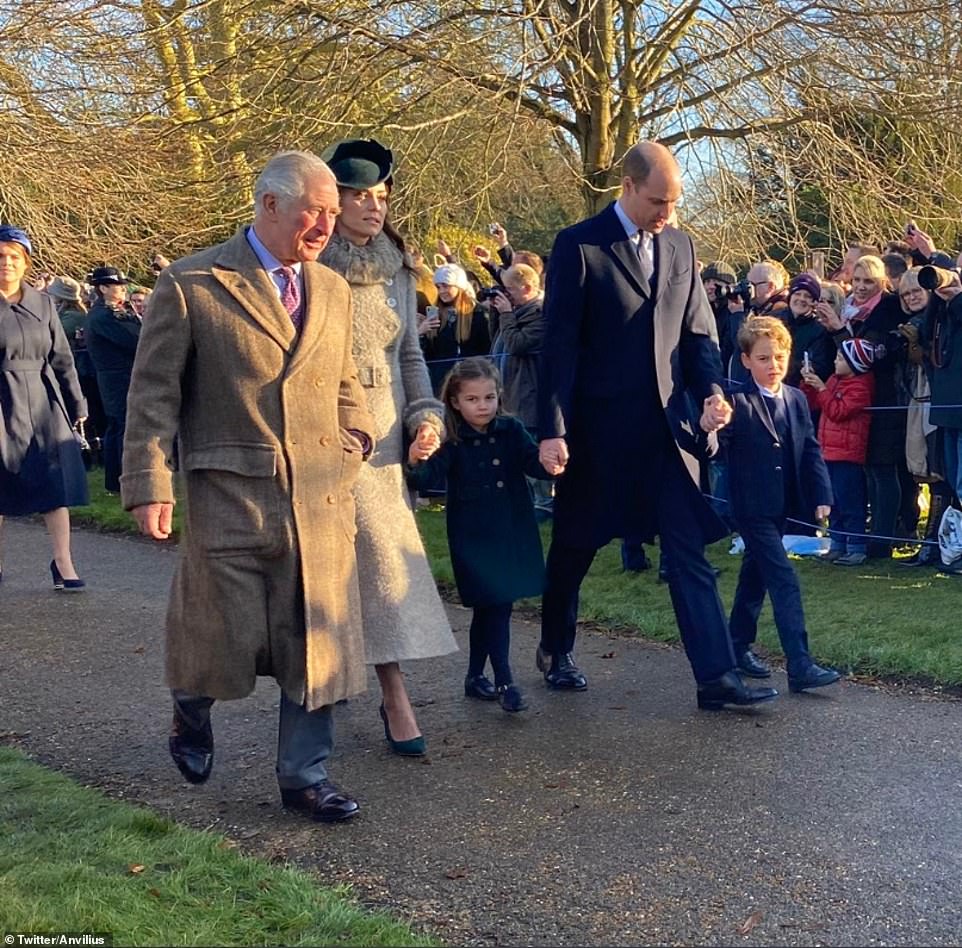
{"type": "Point", "coordinates": [717, 278]}
{"type": "Point", "coordinates": [763, 294]}
{"type": "Point", "coordinates": [872, 313]}
{"type": "Point", "coordinates": [941, 337]}
{"type": "Point", "coordinates": [460, 327]}
{"type": "Point", "coordinates": [924, 449]}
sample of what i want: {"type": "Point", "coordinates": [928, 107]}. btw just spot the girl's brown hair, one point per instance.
{"type": "Point", "coordinates": [468, 370]}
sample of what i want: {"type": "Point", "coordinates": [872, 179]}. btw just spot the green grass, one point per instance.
{"type": "Point", "coordinates": [879, 620]}
{"type": "Point", "coordinates": [74, 861]}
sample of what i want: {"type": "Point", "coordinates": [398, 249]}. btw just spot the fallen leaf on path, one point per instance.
{"type": "Point", "coordinates": [608, 655]}
{"type": "Point", "coordinates": [136, 868]}
{"type": "Point", "coordinates": [457, 873]}
{"type": "Point", "coordinates": [749, 923]}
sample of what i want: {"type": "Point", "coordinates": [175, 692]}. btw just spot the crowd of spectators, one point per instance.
{"type": "Point", "coordinates": [491, 305]}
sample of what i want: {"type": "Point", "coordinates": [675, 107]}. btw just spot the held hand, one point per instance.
{"type": "Point", "coordinates": [426, 324]}
{"type": "Point", "coordinates": [823, 512]}
{"type": "Point", "coordinates": [501, 303]}
{"type": "Point", "coordinates": [716, 413]}
{"type": "Point", "coordinates": [482, 253]}
{"type": "Point", "coordinates": [444, 249]}
{"type": "Point", "coordinates": [810, 378]}
{"type": "Point", "coordinates": [154, 520]}
{"type": "Point", "coordinates": [417, 454]}
{"type": "Point", "coordinates": [553, 455]}
{"type": "Point", "coordinates": [501, 236]}
{"type": "Point", "coordinates": [428, 439]}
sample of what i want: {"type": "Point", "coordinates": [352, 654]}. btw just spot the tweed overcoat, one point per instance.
{"type": "Point", "coordinates": [266, 583]}
{"type": "Point", "coordinates": [41, 468]}
{"type": "Point", "coordinates": [403, 615]}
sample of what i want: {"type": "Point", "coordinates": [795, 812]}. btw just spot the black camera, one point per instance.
{"type": "Point", "coordinates": [488, 293]}
{"type": "Point", "coordinates": [743, 291]}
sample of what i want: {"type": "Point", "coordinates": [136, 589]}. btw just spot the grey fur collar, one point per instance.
{"type": "Point", "coordinates": [374, 262]}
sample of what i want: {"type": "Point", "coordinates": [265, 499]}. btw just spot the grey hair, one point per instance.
{"type": "Point", "coordinates": [286, 175]}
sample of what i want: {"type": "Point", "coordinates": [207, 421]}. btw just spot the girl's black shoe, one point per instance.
{"type": "Point", "coordinates": [477, 686]}
{"type": "Point", "coordinates": [512, 698]}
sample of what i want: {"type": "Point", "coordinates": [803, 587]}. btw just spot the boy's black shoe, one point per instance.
{"type": "Point", "coordinates": [751, 666]}
{"type": "Point", "coordinates": [512, 698]}
{"type": "Point", "coordinates": [813, 677]}
{"type": "Point", "coordinates": [478, 686]}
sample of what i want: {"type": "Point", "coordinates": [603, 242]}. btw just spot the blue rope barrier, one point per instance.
{"type": "Point", "coordinates": [828, 531]}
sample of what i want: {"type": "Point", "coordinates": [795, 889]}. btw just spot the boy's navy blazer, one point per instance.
{"type": "Point", "coordinates": [756, 457]}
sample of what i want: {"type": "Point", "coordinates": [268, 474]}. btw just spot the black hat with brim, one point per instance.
{"type": "Point", "coordinates": [107, 276]}
{"type": "Point", "coordinates": [359, 163]}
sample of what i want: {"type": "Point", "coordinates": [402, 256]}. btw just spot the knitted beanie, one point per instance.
{"type": "Point", "coordinates": [859, 354]}
{"type": "Point", "coordinates": [807, 282]}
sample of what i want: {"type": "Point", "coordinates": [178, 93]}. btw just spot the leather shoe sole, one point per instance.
{"type": "Point", "coordinates": [322, 802]}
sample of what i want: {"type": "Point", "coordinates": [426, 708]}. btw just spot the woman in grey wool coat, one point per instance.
{"type": "Point", "coordinates": [401, 611]}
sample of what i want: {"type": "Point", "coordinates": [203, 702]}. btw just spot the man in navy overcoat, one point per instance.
{"type": "Point", "coordinates": [629, 339]}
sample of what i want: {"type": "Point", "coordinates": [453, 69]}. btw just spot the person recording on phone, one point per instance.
{"type": "Point", "coordinates": [458, 329]}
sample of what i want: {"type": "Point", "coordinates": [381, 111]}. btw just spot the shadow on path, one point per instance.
{"type": "Point", "coordinates": [620, 816]}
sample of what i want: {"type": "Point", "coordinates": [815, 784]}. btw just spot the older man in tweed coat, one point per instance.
{"type": "Point", "coordinates": [246, 355]}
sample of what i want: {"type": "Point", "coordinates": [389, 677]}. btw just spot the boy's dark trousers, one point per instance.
{"type": "Point", "coordinates": [490, 637]}
{"type": "Point", "coordinates": [766, 568]}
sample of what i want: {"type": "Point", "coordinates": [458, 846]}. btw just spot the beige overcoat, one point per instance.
{"type": "Point", "coordinates": [267, 579]}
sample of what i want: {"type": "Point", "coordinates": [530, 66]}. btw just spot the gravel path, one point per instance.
{"type": "Point", "coordinates": [621, 816]}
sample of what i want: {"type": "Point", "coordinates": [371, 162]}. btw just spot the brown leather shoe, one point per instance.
{"type": "Point", "coordinates": [322, 802]}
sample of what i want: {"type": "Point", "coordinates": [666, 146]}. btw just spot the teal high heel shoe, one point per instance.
{"type": "Point", "coordinates": [415, 747]}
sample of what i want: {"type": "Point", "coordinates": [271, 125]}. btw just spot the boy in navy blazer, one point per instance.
{"type": "Point", "coordinates": [776, 471]}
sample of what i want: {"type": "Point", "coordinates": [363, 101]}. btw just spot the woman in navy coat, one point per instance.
{"type": "Point", "coordinates": [41, 468]}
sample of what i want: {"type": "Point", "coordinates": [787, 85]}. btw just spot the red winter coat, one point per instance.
{"type": "Point", "coordinates": [844, 424]}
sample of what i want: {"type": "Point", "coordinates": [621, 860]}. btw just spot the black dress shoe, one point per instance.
{"type": "Point", "coordinates": [729, 689]}
{"type": "Point", "coordinates": [813, 677]}
{"type": "Point", "coordinates": [192, 751]}
{"type": "Point", "coordinates": [480, 687]}
{"type": "Point", "coordinates": [512, 698]}
{"type": "Point", "coordinates": [751, 666]}
{"type": "Point", "coordinates": [321, 801]}
{"type": "Point", "coordinates": [564, 674]}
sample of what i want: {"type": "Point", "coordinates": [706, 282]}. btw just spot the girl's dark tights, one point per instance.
{"type": "Point", "coordinates": [491, 638]}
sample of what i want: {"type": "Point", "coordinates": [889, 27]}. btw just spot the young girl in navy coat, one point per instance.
{"type": "Point", "coordinates": [492, 534]}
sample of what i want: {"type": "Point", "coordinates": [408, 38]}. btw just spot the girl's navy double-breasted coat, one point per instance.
{"type": "Point", "coordinates": [492, 533]}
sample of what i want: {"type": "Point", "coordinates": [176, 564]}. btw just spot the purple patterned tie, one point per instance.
{"type": "Point", "coordinates": [291, 295]}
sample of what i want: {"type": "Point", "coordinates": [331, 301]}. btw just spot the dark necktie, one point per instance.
{"type": "Point", "coordinates": [291, 295]}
